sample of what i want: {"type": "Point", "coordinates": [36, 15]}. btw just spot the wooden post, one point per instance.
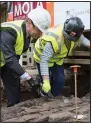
{"type": "Point", "coordinates": [75, 70]}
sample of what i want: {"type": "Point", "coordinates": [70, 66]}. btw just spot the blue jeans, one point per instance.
{"type": "Point", "coordinates": [56, 75]}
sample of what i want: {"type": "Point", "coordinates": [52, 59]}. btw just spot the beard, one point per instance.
{"type": "Point", "coordinates": [34, 36]}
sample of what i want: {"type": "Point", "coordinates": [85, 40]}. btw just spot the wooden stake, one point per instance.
{"type": "Point", "coordinates": [75, 70]}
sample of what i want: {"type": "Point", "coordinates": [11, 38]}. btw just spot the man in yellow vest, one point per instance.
{"type": "Point", "coordinates": [15, 40]}
{"type": "Point", "coordinates": [51, 49]}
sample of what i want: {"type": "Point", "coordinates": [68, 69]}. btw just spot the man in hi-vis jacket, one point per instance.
{"type": "Point", "coordinates": [15, 40]}
{"type": "Point", "coordinates": [52, 48]}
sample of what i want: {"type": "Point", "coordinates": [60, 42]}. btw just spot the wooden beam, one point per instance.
{"type": "Point", "coordinates": [77, 61]}
{"type": "Point", "coordinates": [80, 53]}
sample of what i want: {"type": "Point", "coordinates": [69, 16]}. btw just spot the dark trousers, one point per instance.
{"type": "Point", "coordinates": [12, 85]}
{"type": "Point", "coordinates": [56, 75]}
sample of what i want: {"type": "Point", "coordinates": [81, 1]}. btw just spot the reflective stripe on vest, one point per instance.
{"type": "Point", "coordinates": [20, 38]}
{"type": "Point", "coordinates": [41, 46]}
{"type": "Point", "coordinates": [2, 61]}
{"type": "Point", "coordinates": [57, 39]}
{"type": "Point", "coordinates": [61, 52]}
{"type": "Point", "coordinates": [11, 24]}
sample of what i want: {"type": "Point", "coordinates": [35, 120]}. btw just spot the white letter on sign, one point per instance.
{"type": "Point", "coordinates": [17, 11]}
{"type": "Point", "coordinates": [26, 4]}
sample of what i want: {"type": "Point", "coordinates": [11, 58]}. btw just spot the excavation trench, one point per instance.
{"type": "Point", "coordinates": [83, 80]}
{"type": "Point", "coordinates": [83, 85]}
{"type": "Point", "coordinates": [60, 109]}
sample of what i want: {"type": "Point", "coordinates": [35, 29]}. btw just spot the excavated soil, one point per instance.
{"type": "Point", "coordinates": [60, 109]}
{"type": "Point", "coordinates": [52, 110]}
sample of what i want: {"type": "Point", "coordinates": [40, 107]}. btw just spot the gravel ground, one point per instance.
{"type": "Point", "coordinates": [59, 109]}
{"type": "Point", "coordinates": [53, 110]}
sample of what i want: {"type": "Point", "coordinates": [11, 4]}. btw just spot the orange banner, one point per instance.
{"type": "Point", "coordinates": [17, 12]}
{"type": "Point", "coordinates": [50, 8]}
{"type": "Point", "coordinates": [10, 16]}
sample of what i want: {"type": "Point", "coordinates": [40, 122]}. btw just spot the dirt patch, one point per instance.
{"type": "Point", "coordinates": [54, 110]}
{"type": "Point", "coordinates": [62, 108]}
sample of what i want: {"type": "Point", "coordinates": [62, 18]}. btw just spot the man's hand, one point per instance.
{"type": "Point", "coordinates": [46, 86]}
{"type": "Point", "coordinates": [25, 77]}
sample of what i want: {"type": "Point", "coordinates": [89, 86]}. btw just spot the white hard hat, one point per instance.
{"type": "Point", "coordinates": [41, 18]}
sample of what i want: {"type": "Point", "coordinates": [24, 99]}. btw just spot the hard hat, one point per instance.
{"type": "Point", "coordinates": [73, 28]}
{"type": "Point", "coordinates": [41, 18]}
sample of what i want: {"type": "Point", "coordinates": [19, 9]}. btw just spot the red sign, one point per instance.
{"type": "Point", "coordinates": [21, 9]}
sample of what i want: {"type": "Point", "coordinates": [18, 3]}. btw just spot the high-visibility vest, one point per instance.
{"type": "Point", "coordinates": [60, 46]}
{"type": "Point", "coordinates": [2, 61]}
{"type": "Point", "coordinates": [17, 26]}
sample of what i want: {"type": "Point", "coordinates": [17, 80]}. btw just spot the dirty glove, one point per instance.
{"type": "Point", "coordinates": [28, 78]}
{"type": "Point", "coordinates": [25, 77]}
{"type": "Point", "coordinates": [46, 86]}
